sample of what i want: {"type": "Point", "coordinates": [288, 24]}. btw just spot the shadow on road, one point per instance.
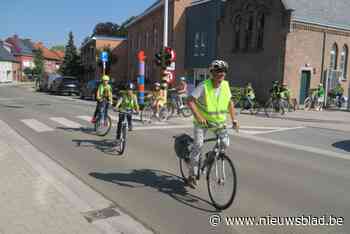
{"type": "Point", "coordinates": [343, 145]}
{"type": "Point", "coordinates": [90, 131]}
{"type": "Point", "coordinates": [162, 181]}
{"type": "Point", "coordinates": [106, 146]}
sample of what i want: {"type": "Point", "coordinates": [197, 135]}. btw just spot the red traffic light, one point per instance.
{"type": "Point", "coordinates": [171, 53]}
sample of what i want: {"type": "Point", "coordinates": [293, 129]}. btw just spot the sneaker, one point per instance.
{"type": "Point", "coordinates": [93, 120]}
{"type": "Point", "coordinates": [130, 129]}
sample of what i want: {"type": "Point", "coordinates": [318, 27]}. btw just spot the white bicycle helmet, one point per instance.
{"type": "Point", "coordinates": [157, 84]}
{"type": "Point", "coordinates": [218, 66]}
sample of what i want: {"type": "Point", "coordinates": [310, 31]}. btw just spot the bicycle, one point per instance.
{"type": "Point", "coordinates": [103, 123]}
{"type": "Point", "coordinates": [311, 102]}
{"type": "Point", "coordinates": [216, 177]}
{"type": "Point", "coordinates": [148, 113]}
{"type": "Point", "coordinates": [175, 106]}
{"type": "Point", "coordinates": [121, 142]}
{"type": "Point", "coordinates": [275, 105]}
{"type": "Point", "coordinates": [250, 105]}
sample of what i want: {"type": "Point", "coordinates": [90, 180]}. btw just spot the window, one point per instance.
{"type": "Point", "coordinates": [334, 56]}
{"type": "Point", "coordinates": [344, 62]}
{"type": "Point", "coordinates": [237, 32]}
{"type": "Point", "coordinates": [260, 26]}
{"type": "Point", "coordinates": [204, 39]}
{"type": "Point", "coordinates": [196, 39]}
{"type": "Point", "coordinates": [196, 43]}
{"type": "Point", "coordinates": [249, 32]}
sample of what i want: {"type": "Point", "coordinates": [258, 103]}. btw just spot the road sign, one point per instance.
{"type": "Point", "coordinates": [104, 56]}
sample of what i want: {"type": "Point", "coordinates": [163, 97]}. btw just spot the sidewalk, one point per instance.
{"type": "Point", "coordinates": [35, 200]}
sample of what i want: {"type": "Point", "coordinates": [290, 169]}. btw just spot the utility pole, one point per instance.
{"type": "Point", "coordinates": [166, 19]}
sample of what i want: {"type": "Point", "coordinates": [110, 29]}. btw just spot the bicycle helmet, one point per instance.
{"type": "Point", "coordinates": [130, 86]}
{"type": "Point", "coordinates": [218, 66]}
{"type": "Point", "coordinates": [105, 78]}
{"type": "Point", "coordinates": [157, 84]}
{"type": "Point", "coordinates": [183, 78]}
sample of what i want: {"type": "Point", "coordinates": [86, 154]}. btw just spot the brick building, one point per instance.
{"type": "Point", "coordinates": [299, 42]}
{"type": "Point", "coordinates": [145, 32]}
{"type": "Point", "coordinates": [90, 53]}
{"type": "Point", "coordinates": [52, 60]}
{"type": "Point", "coordinates": [120, 62]}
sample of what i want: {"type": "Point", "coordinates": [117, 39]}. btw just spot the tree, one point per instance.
{"type": "Point", "coordinates": [71, 63]}
{"type": "Point", "coordinates": [111, 29]}
{"type": "Point", "coordinates": [39, 63]}
{"type": "Point", "coordinates": [58, 47]}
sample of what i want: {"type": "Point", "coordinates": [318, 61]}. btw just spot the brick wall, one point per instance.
{"type": "Point", "coordinates": [260, 67]}
{"type": "Point", "coordinates": [304, 51]}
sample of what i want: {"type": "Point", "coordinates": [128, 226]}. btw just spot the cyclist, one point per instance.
{"type": "Point", "coordinates": [127, 102]}
{"type": "Point", "coordinates": [275, 91]}
{"type": "Point", "coordinates": [158, 98]}
{"type": "Point", "coordinates": [181, 91]}
{"type": "Point", "coordinates": [210, 102]}
{"type": "Point", "coordinates": [285, 93]}
{"type": "Point", "coordinates": [320, 96]}
{"type": "Point", "coordinates": [249, 94]}
{"type": "Point", "coordinates": [104, 93]}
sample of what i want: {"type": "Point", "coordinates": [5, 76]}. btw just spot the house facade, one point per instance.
{"type": "Point", "coordinates": [52, 61]}
{"type": "Point", "coordinates": [145, 33]}
{"type": "Point", "coordinates": [201, 37]}
{"type": "Point", "coordinates": [8, 65]}
{"type": "Point", "coordinates": [301, 43]}
{"type": "Point", "coordinates": [22, 50]}
{"type": "Point", "coordinates": [90, 53]}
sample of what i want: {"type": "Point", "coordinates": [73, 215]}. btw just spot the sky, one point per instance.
{"type": "Point", "coordinates": [50, 21]}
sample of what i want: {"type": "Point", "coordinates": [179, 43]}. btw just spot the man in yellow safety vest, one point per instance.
{"type": "Point", "coordinates": [210, 103]}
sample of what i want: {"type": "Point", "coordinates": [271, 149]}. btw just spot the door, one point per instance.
{"type": "Point", "coordinates": [304, 86]}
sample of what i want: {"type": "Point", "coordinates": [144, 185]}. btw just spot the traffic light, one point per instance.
{"type": "Point", "coordinates": [159, 59]}
{"type": "Point", "coordinates": [165, 57]}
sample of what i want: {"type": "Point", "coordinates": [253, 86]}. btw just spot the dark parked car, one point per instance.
{"type": "Point", "coordinates": [88, 90]}
{"type": "Point", "coordinates": [66, 85]}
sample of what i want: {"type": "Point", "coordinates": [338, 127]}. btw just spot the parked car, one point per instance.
{"type": "Point", "coordinates": [88, 90]}
{"type": "Point", "coordinates": [65, 85]}
{"type": "Point", "coordinates": [50, 81]}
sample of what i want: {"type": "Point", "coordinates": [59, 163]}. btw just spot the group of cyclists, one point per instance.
{"type": "Point", "coordinates": [210, 103]}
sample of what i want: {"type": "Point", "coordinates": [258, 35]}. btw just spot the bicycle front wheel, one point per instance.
{"type": "Point", "coordinates": [102, 128]}
{"type": "Point", "coordinates": [222, 182]}
{"type": "Point", "coordinates": [186, 111]}
{"type": "Point", "coordinates": [269, 108]}
{"type": "Point", "coordinates": [122, 141]}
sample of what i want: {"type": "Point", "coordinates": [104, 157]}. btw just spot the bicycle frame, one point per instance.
{"type": "Point", "coordinates": [218, 149]}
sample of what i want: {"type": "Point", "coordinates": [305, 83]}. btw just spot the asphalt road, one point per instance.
{"type": "Point", "coordinates": [273, 180]}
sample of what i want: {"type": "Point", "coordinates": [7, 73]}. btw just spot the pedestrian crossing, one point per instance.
{"type": "Point", "coordinates": [52, 124]}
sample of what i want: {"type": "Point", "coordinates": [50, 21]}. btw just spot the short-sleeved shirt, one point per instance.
{"type": "Point", "coordinates": [199, 94]}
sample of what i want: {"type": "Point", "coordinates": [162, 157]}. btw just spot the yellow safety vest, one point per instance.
{"type": "Point", "coordinates": [215, 109]}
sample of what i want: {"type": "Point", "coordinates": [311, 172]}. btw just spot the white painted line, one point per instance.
{"type": "Point", "coordinates": [85, 117]}
{"type": "Point", "coordinates": [250, 132]}
{"type": "Point", "coordinates": [279, 130]}
{"type": "Point", "coordinates": [65, 122]}
{"type": "Point", "coordinates": [36, 125]}
{"type": "Point", "coordinates": [305, 148]}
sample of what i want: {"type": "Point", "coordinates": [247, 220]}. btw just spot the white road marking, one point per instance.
{"type": "Point", "coordinates": [279, 130]}
{"type": "Point", "coordinates": [305, 148]}
{"type": "Point", "coordinates": [85, 117]}
{"type": "Point", "coordinates": [163, 127]}
{"type": "Point", "coordinates": [36, 125]}
{"type": "Point", "coordinates": [65, 122]}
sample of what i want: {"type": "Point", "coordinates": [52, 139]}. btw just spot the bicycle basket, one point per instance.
{"type": "Point", "coordinates": [183, 144]}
